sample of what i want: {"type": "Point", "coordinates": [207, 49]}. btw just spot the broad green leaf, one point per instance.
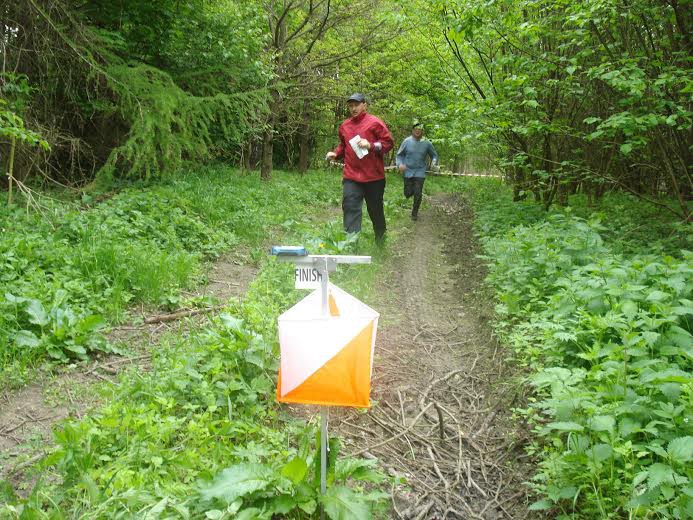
{"type": "Point", "coordinates": [681, 449]}
{"type": "Point", "coordinates": [158, 509]}
{"type": "Point", "coordinates": [283, 504]}
{"type": "Point", "coordinates": [644, 499]}
{"type": "Point", "coordinates": [295, 470]}
{"type": "Point", "coordinates": [252, 513]}
{"type": "Point", "coordinates": [628, 426]}
{"type": "Point", "coordinates": [600, 452]}
{"type": "Point", "coordinates": [556, 494]}
{"type": "Point", "coordinates": [238, 481]}
{"type": "Point", "coordinates": [657, 296]}
{"type": "Point", "coordinates": [680, 337]}
{"type": "Point", "coordinates": [670, 375]}
{"type": "Point", "coordinates": [15, 299]}
{"type": "Point", "coordinates": [358, 469]}
{"type": "Point", "coordinates": [565, 426]}
{"type": "Point", "coordinates": [630, 309]}
{"type": "Point", "coordinates": [232, 323]}
{"type": "Point", "coordinates": [650, 337]}
{"type": "Point", "coordinates": [26, 338]}
{"type": "Point", "coordinates": [90, 323]}
{"type": "Point", "coordinates": [308, 506]}
{"type": "Point", "coordinates": [37, 314]}
{"type": "Point", "coordinates": [602, 423]}
{"type": "Point", "coordinates": [77, 349]}
{"type": "Point", "coordinates": [680, 310]}
{"type": "Point", "coordinates": [659, 473]}
{"type": "Point", "coordinates": [541, 505]}
{"type": "Point", "coordinates": [341, 503]}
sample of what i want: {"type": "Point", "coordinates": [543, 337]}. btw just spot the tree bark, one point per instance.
{"type": "Point", "coordinates": [268, 139]}
{"type": "Point", "coordinates": [304, 138]}
{"type": "Point", "coordinates": [10, 170]}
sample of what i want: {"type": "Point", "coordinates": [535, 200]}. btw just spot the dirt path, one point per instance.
{"type": "Point", "coordinates": [442, 389]}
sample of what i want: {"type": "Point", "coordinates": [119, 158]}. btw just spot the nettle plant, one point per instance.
{"type": "Point", "coordinates": [610, 340]}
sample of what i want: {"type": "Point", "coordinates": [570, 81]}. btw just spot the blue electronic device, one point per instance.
{"type": "Point", "coordinates": [288, 251]}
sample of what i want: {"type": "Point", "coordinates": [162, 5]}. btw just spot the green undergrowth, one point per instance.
{"type": "Point", "coordinates": [79, 265]}
{"type": "Point", "coordinates": [598, 304]}
{"type": "Point", "coordinates": [199, 435]}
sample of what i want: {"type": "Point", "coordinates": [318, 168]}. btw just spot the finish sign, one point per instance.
{"type": "Point", "coordinates": [307, 277]}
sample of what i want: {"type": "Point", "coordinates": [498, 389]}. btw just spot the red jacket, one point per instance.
{"type": "Point", "coordinates": [370, 167]}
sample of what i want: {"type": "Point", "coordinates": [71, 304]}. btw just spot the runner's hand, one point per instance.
{"type": "Point", "coordinates": [402, 167]}
{"type": "Point", "coordinates": [331, 156]}
{"type": "Point", "coordinates": [363, 143]}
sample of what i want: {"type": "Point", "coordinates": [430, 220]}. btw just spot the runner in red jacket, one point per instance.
{"type": "Point", "coordinates": [363, 141]}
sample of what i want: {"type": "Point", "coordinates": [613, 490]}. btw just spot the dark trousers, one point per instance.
{"type": "Point", "coordinates": [353, 194]}
{"type": "Point", "coordinates": [414, 186]}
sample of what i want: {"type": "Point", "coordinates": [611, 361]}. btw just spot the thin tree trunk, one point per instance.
{"type": "Point", "coordinates": [267, 145]}
{"type": "Point", "coordinates": [304, 138]}
{"type": "Point", "coordinates": [10, 171]}
{"type": "Point", "coordinates": [268, 139]}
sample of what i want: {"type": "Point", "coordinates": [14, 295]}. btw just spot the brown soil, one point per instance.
{"type": "Point", "coordinates": [442, 387]}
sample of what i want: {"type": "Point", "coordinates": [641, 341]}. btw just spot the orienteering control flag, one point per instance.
{"type": "Point", "coordinates": [327, 360]}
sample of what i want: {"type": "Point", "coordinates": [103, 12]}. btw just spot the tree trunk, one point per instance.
{"type": "Point", "coordinates": [10, 171]}
{"type": "Point", "coordinates": [267, 145]}
{"type": "Point", "coordinates": [246, 155]}
{"type": "Point", "coordinates": [268, 139]}
{"type": "Point", "coordinates": [304, 138]}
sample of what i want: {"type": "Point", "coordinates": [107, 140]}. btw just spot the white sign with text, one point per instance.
{"type": "Point", "coordinates": [307, 277]}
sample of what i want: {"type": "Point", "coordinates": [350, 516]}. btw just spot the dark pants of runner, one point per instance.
{"type": "Point", "coordinates": [353, 194]}
{"type": "Point", "coordinates": [414, 186]}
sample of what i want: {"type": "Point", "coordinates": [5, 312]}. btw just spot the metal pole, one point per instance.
{"type": "Point", "coordinates": [323, 409]}
{"type": "Point", "coordinates": [323, 455]}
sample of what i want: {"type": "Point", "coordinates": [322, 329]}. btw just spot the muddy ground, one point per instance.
{"type": "Point", "coordinates": [443, 389]}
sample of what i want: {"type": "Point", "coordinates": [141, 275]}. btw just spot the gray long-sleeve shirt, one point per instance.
{"type": "Point", "coordinates": [412, 153]}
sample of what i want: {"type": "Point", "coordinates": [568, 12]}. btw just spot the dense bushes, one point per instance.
{"type": "Point", "coordinates": [608, 337]}
{"type": "Point", "coordinates": [75, 266]}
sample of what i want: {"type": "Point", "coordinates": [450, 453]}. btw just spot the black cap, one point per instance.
{"type": "Point", "coordinates": [357, 97]}
{"type": "Point", "coordinates": [417, 124]}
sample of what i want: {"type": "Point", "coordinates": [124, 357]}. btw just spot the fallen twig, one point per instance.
{"type": "Point", "coordinates": [161, 318]}
{"type": "Point", "coordinates": [396, 436]}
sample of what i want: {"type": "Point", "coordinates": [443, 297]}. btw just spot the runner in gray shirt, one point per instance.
{"type": "Point", "coordinates": [412, 161]}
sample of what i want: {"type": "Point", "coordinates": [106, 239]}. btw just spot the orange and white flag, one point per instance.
{"type": "Point", "coordinates": [327, 360]}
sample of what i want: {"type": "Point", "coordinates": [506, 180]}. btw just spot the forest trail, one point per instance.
{"type": "Point", "coordinates": [442, 387]}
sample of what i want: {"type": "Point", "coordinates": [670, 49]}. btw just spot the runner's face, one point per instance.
{"type": "Point", "coordinates": [356, 108]}
{"type": "Point", "coordinates": [417, 132]}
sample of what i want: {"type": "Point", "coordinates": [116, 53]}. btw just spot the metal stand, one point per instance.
{"type": "Point", "coordinates": [323, 409]}
{"type": "Point", "coordinates": [325, 264]}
